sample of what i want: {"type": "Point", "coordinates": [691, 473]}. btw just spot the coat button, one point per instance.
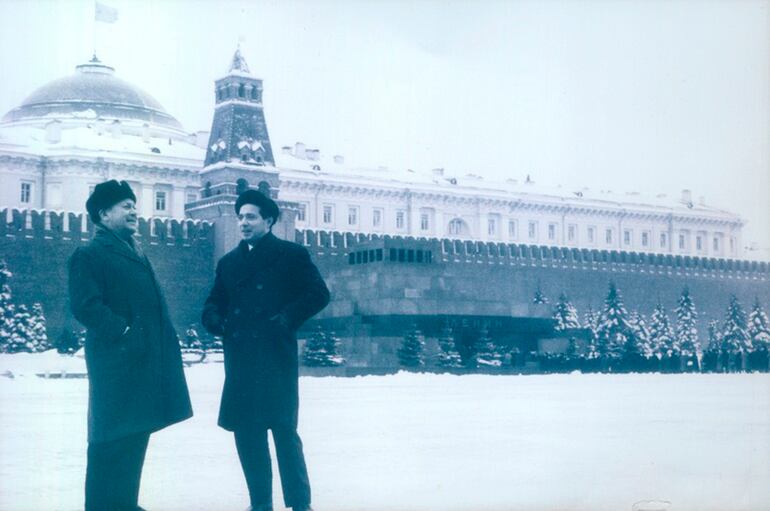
{"type": "Point", "coordinates": [259, 286]}
{"type": "Point", "coordinates": [237, 311]}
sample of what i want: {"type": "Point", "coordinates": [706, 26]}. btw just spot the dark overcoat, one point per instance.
{"type": "Point", "coordinates": [259, 299]}
{"type": "Point", "coordinates": [136, 381]}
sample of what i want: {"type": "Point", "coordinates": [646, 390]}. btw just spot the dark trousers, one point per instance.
{"type": "Point", "coordinates": [254, 454]}
{"type": "Point", "coordinates": [113, 473]}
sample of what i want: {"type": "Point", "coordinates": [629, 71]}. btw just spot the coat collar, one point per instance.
{"type": "Point", "coordinates": [110, 240]}
{"type": "Point", "coordinates": [265, 252]}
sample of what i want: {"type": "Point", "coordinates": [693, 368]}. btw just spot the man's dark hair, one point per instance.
{"type": "Point", "coordinates": [267, 206]}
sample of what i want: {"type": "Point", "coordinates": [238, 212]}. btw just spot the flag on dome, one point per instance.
{"type": "Point", "coordinates": [105, 13]}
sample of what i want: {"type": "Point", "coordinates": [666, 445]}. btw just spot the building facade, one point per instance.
{"type": "Point", "coordinates": [77, 131]}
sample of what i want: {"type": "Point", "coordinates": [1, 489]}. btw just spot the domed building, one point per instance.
{"type": "Point", "coordinates": [77, 131]}
{"type": "Point", "coordinates": [91, 126]}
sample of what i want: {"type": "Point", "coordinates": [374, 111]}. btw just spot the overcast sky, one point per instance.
{"type": "Point", "coordinates": [649, 96]}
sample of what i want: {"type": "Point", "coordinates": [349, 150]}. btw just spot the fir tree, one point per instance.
{"type": "Point", "coordinates": [487, 354]}
{"type": "Point", "coordinates": [68, 342]}
{"type": "Point", "coordinates": [448, 355]}
{"type": "Point", "coordinates": [7, 310]}
{"type": "Point", "coordinates": [22, 334]}
{"type": "Point", "coordinates": [39, 335]}
{"type": "Point", "coordinates": [591, 322]}
{"type": "Point", "coordinates": [322, 349]}
{"type": "Point", "coordinates": [714, 347]}
{"type": "Point", "coordinates": [410, 354]}
{"type": "Point", "coordinates": [661, 334]}
{"type": "Point", "coordinates": [613, 329]}
{"type": "Point", "coordinates": [758, 327]}
{"type": "Point", "coordinates": [735, 335]}
{"type": "Point", "coordinates": [192, 340]}
{"type": "Point", "coordinates": [565, 314]}
{"type": "Point", "coordinates": [641, 335]}
{"type": "Point", "coordinates": [686, 336]}
{"type": "Point", "coordinates": [539, 297]}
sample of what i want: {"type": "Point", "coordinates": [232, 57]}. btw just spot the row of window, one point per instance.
{"type": "Point", "coordinates": [224, 93]}
{"type": "Point", "coordinates": [458, 227]}
{"type": "Point", "coordinates": [54, 196]}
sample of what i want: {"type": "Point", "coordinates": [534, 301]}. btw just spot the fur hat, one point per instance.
{"type": "Point", "coordinates": [106, 195]}
{"type": "Point", "coordinates": [267, 206]}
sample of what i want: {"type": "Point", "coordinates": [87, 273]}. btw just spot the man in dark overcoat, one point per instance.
{"type": "Point", "coordinates": [263, 291]}
{"type": "Point", "coordinates": [136, 383]}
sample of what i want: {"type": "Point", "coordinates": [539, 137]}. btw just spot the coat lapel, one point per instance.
{"type": "Point", "coordinates": [252, 262]}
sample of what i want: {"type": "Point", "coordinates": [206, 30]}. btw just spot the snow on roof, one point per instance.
{"type": "Point", "coordinates": [332, 170]}
{"type": "Point", "coordinates": [86, 141]}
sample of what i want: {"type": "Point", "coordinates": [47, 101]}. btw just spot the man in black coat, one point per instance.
{"type": "Point", "coordinates": [136, 383]}
{"type": "Point", "coordinates": [264, 290]}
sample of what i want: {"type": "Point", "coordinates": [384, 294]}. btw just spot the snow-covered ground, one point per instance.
{"type": "Point", "coordinates": [425, 442]}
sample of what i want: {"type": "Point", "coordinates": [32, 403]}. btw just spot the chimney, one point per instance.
{"type": "Point", "coordinates": [299, 150]}
{"type": "Point", "coordinates": [686, 196]}
{"type": "Point", "coordinates": [53, 132]}
{"type": "Point", "coordinates": [438, 172]}
{"type": "Point", "coordinates": [312, 154]}
{"type": "Point", "coordinates": [339, 159]}
{"type": "Point", "coordinates": [145, 133]}
{"type": "Point", "coordinates": [286, 149]}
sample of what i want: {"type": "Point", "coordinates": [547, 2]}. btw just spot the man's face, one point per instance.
{"type": "Point", "coordinates": [120, 218]}
{"type": "Point", "coordinates": [251, 223]}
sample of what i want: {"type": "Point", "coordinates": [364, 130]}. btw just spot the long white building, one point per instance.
{"type": "Point", "coordinates": [79, 130]}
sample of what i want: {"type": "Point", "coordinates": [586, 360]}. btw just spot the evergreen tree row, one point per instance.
{"type": "Point", "coordinates": [21, 329]}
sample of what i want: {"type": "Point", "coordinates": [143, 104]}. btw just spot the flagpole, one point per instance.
{"type": "Point", "coordinates": [93, 32]}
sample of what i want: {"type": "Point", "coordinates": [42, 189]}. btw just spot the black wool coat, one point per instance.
{"type": "Point", "coordinates": [259, 299]}
{"type": "Point", "coordinates": [136, 382]}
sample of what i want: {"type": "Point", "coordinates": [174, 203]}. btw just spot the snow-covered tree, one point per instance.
{"type": "Point", "coordinates": [641, 333]}
{"type": "Point", "coordinates": [686, 334]}
{"type": "Point", "coordinates": [735, 334]}
{"type": "Point", "coordinates": [7, 310]}
{"type": "Point", "coordinates": [486, 353]}
{"type": "Point", "coordinates": [448, 355]}
{"type": "Point", "coordinates": [39, 335]}
{"type": "Point", "coordinates": [759, 328]}
{"type": "Point", "coordinates": [539, 297]}
{"type": "Point", "coordinates": [565, 314]}
{"type": "Point", "coordinates": [613, 329]}
{"type": "Point", "coordinates": [661, 334]}
{"type": "Point", "coordinates": [410, 354]}
{"type": "Point", "coordinates": [22, 335]}
{"type": "Point", "coordinates": [322, 349]}
{"type": "Point", "coordinates": [713, 347]}
{"type": "Point", "coordinates": [591, 322]}
{"type": "Point", "coordinates": [192, 340]}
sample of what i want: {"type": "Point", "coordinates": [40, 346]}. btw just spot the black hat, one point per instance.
{"type": "Point", "coordinates": [267, 206]}
{"type": "Point", "coordinates": [106, 195]}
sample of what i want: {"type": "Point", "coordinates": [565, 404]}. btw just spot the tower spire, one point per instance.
{"type": "Point", "coordinates": [239, 63]}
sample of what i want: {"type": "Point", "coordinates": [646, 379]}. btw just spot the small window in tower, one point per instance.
{"type": "Point", "coordinates": [241, 91]}
{"type": "Point", "coordinates": [219, 94]}
{"type": "Point", "coordinates": [254, 93]}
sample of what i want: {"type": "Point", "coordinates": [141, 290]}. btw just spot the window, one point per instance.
{"type": "Point", "coordinates": [552, 232]}
{"type": "Point", "coordinates": [682, 242]}
{"type": "Point", "coordinates": [328, 214]}
{"type": "Point", "coordinates": [400, 219]}
{"type": "Point", "coordinates": [532, 230]}
{"type": "Point", "coordinates": [608, 236]}
{"type": "Point", "coordinates": [302, 213]}
{"type": "Point", "coordinates": [645, 239]}
{"type": "Point", "coordinates": [26, 193]}
{"type": "Point", "coordinates": [591, 232]}
{"type": "Point", "coordinates": [716, 244]}
{"type": "Point", "coordinates": [424, 221]}
{"type": "Point", "coordinates": [698, 243]}
{"type": "Point", "coordinates": [377, 218]}
{"type": "Point", "coordinates": [352, 216]}
{"type": "Point", "coordinates": [456, 227]}
{"type": "Point", "coordinates": [627, 237]}
{"type": "Point", "coordinates": [732, 245]}
{"type": "Point", "coordinates": [160, 201]}
{"type": "Point", "coordinates": [663, 240]}
{"type": "Point", "coordinates": [491, 227]}
{"type": "Point", "coordinates": [571, 232]}
{"type": "Point", "coordinates": [512, 229]}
